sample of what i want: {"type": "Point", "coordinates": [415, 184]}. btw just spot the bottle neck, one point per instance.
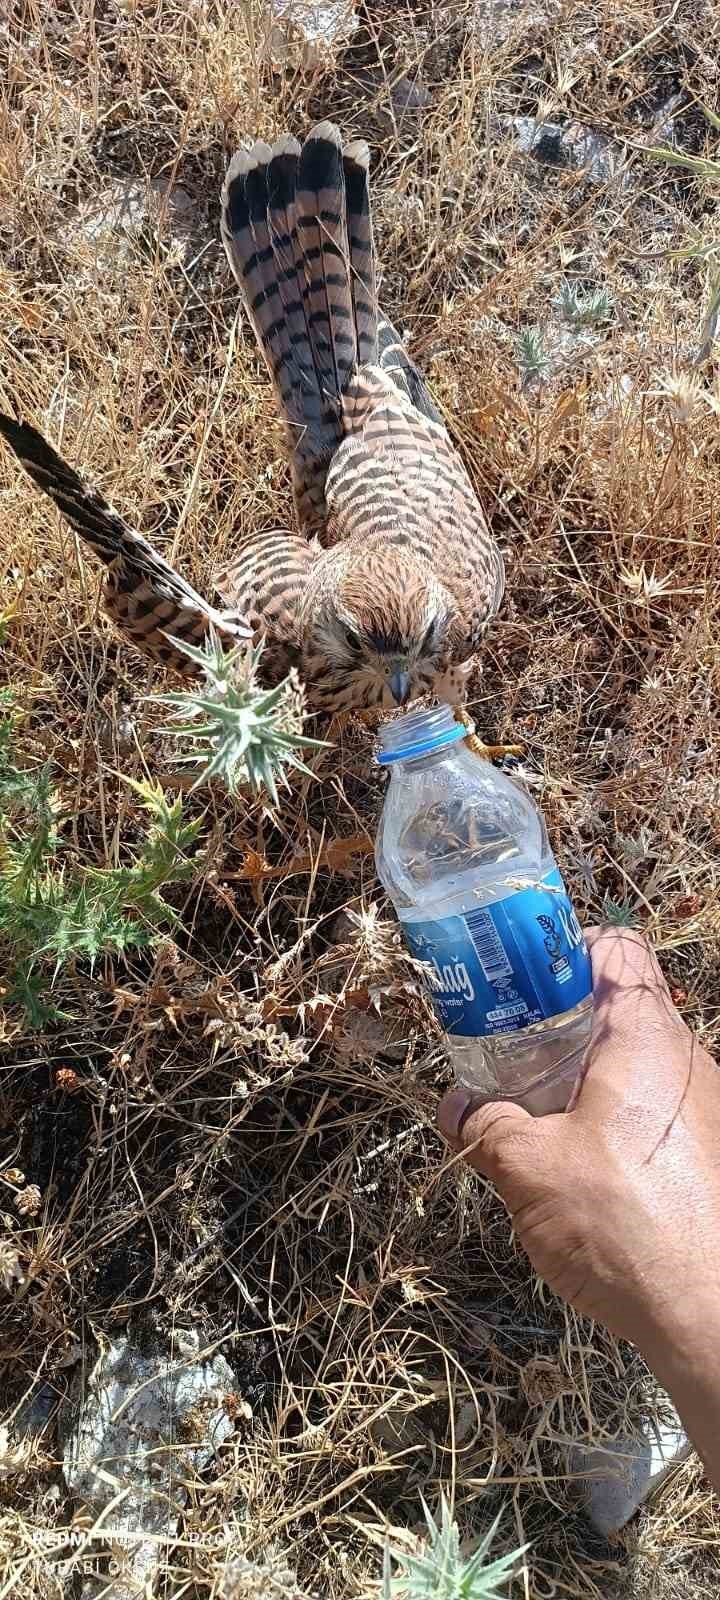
{"type": "Point", "coordinates": [419, 735]}
{"type": "Point", "coordinates": [431, 758]}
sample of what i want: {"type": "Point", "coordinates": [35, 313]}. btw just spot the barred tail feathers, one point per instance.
{"type": "Point", "coordinates": [289, 267]}
{"type": "Point", "coordinates": [86, 509]}
{"type": "Point", "coordinates": [264, 283]}
{"type": "Point", "coordinates": [296, 228]}
{"type": "Point", "coordinates": [295, 222]}
{"type": "Point", "coordinates": [321, 217]}
{"type": "Point", "coordinates": [356, 164]}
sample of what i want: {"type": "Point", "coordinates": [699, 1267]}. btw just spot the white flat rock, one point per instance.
{"type": "Point", "coordinates": [619, 1477]}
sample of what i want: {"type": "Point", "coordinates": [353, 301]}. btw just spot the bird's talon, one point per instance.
{"type": "Point", "coordinates": [493, 752]}
{"type": "Point", "coordinates": [487, 752]}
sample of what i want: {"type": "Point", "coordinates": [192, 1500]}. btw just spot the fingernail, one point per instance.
{"type": "Point", "coordinates": [451, 1112]}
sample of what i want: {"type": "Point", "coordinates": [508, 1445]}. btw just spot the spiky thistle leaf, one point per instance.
{"type": "Point", "coordinates": [621, 913]}
{"type": "Point", "coordinates": [532, 357]}
{"type": "Point", "coordinates": [584, 308]}
{"type": "Point", "coordinates": [54, 911]}
{"type": "Point", "coordinates": [439, 1571]}
{"type": "Point", "coordinates": [243, 734]}
{"type": "Point", "coordinates": [700, 166]}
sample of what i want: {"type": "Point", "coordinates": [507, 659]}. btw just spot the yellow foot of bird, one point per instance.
{"type": "Point", "coordinates": [487, 752]}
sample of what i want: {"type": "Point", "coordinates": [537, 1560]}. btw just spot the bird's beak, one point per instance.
{"type": "Point", "coordinates": [400, 687]}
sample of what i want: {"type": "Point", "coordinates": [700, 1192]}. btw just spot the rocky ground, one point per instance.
{"type": "Point", "coordinates": [219, 1175]}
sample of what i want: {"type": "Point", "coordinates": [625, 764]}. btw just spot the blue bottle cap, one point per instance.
{"type": "Point", "coordinates": [417, 734]}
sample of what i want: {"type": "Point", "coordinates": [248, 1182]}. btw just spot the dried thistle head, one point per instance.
{"type": "Point", "coordinates": [685, 393]}
{"type": "Point", "coordinates": [67, 1079]}
{"type": "Point", "coordinates": [15, 1458]}
{"type": "Point", "coordinates": [645, 585]}
{"type": "Point", "coordinates": [375, 942]}
{"type": "Point", "coordinates": [268, 1579]}
{"type": "Point", "coordinates": [10, 1270]}
{"type": "Point", "coordinates": [29, 1200]}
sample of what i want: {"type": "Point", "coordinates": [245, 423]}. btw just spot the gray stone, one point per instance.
{"type": "Point", "coordinates": [318, 29]}
{"type": "Point", "coordinates": [409, 94]}
{"type": "Point", "coordinates": [35, 1412]}
{"type": "Point", "coordinates": [617, 1478]}
{"type": "Point", "coordinates": [571, 145]}
{"type": "Point", "coordinates": [269, 1579]}
{"type": "Point", "coordinates": [119, 212]}
{"type": "Point", "coordinates": [493, 22]}
{"type": "Point", "coordinates": [132, 1432]}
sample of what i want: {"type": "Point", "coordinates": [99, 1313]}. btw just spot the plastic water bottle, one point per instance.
{"type": "Point", "coordinates": [463, 853]}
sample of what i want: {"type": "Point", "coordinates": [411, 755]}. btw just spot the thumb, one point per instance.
{"type": "Point", "coordinates": [493, 1137]}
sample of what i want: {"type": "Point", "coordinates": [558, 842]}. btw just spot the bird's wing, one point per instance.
{"type": "Point", "coordinates": [398, 479]}
{"type": "Point", "coordinates": [394, 359]}
{"type": "Point", "coordinates": [266, 583]}
{"type": "Point", "coordinates": [143, 594]}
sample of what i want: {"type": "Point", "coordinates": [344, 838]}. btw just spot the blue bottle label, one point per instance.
{"type": "Point", "coordinates": [506, 965]}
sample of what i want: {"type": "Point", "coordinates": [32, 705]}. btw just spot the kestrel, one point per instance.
{"type": "Point", "coordinates": [387, 590]}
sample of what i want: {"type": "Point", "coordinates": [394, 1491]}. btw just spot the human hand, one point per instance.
{"type": "Point", "coordinates": [617, 1201]}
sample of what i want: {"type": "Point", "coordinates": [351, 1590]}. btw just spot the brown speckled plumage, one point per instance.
{"type": "Point", "coordinates": [143, 594]}
{"type": "Point", "coordinates": [388, 589]}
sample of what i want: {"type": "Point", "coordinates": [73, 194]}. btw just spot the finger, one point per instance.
{"type": "Point", "coordinates": [629, 989]}
{"type": "Point", "coordinates": [484, 1134]}
{"type": "Point", "coordinates": [451, 1114]}
{"type": "Point", "coordinates": [636, 1028]}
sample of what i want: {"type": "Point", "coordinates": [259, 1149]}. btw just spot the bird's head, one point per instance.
{"type": "Point", "coordinates": [384, 636]}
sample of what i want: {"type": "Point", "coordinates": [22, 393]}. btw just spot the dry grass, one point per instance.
{"type": "Point", "coordinates": [247, 1147]}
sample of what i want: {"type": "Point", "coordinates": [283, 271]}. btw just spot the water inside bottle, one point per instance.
{"type": "Point", "coordinates": [538, 1065]}
{"type": "Point", "coordinates": [459, 836]}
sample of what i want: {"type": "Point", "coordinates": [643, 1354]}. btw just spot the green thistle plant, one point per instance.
{"type": "Point", "coordinates": [620, 913]}
{"type": "Point", "coordinates": [532, 358]}
{"type": "Point", "coordinates": [440, 1572]}
{"type": "Point", "coordinates": [246, 735]}
{"type": "Point", "coordinates": [582, 308]}
{"type": "Point", "coordinates": [53, 911]}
